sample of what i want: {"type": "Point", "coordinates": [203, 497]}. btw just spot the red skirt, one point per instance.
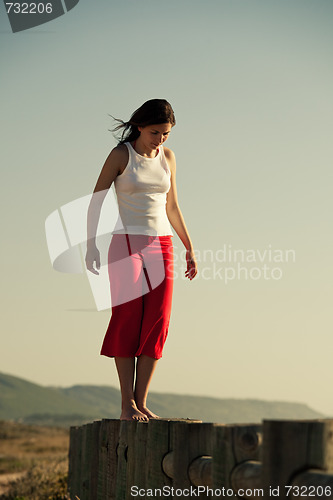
{"type": "Point", "coordinates": [141, 280]}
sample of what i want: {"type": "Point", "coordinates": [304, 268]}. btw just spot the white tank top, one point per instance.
{"type": "Point", "coordinates": [141, 193]}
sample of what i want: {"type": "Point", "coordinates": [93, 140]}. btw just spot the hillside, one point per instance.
{"type": "Point", "coordinates": [27, 402]}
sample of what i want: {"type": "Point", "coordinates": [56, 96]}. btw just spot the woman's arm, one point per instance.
{"type": "Point", "coordinates": [114, 164]}
{"type": "Point", "coordinates": [176, 218]}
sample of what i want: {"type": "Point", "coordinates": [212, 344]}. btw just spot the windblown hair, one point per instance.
{"type": "Point", "coordinates": [152, 112]}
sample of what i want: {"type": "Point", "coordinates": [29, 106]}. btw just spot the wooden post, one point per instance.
{"type": "Point", "coordinates": [190, 441]}
{"type": "Point", "coordinates": [94, 460]}
{"type": "Point", "coordinates": [233, 444]}
{"type": "Point", "coordinates": [74, 462]}
{"type": "Point", "coordinates": [131, 457]}
{"type": "Point", "coordinates": [158, 445]}
{"type": "Point", "coordinates": [139, 479]}
{"type": "Point", "coordinates": [291, 447]}
{"type": "Point", "coordinates": [86, 461]}
{"type": "Point", "coordinates": [125, 453]}
{"type": "Point", "coordinates": [113, 431]}
{"type": "Point", "coordinates": [102, 461]}
{"type": "Point", "coordinates": [107, 468]}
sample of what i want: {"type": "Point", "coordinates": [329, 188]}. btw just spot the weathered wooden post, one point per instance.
{"type": "Point", "coordinates": [107, 467]}
{"type": "Point", "coordinates": [103, 460]}
{"type": "Point", "coordinates": [190, 441]}
{"type": "Point", "coordinates": [292, 447]}
{"type": "Point", "coordinates": [131, 456]}
{"type": "Point", "coordinates": [159, 454]}
{"type": "Point", "coordinates": [140, 455]}
{"type": "Point", "coordinates": [236, 455]}
{"type": "Point", "coordinates": [74, 462]}
{"type": "Point", "coordinates": [126, 459]}
{"type": "Point", "coordinates": [87, 445]}
{"type": "Point", "coordinates": [94, 460]}
{"type": "Point", "coordinates": [158, 445]}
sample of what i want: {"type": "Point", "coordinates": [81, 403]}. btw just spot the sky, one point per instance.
{"type": "Point", "coordinates": [251, 86]}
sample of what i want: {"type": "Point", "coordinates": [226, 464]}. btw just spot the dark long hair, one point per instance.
{"type": "Point", "coordinates": [152, 112]}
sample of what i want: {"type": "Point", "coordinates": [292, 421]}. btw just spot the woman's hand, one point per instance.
{"type": "Point", "coordinates": [92, 256]}
{"type": "Point", "coordinates": [191, 270]}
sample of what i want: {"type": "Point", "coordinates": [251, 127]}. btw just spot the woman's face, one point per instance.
{"type": "Point", "coordinates": [154, 135]}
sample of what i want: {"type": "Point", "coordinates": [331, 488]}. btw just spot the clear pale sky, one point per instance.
{"type": "Point", "coordinates": [251, 85]}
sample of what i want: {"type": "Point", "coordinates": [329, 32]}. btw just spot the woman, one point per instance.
{"type": "Point", "coordinates": [140, 260]}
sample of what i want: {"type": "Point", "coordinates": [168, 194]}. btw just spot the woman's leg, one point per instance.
{"type": "Point", "coordinates": [145, 368]}
{"type": "Point", "coordinates": [155, 322]}
{"type": "Point", "coordinates": [129, 410]}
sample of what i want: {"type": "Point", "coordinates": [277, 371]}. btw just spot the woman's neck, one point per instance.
{"type": "Point", "coordinates": [143, 150]}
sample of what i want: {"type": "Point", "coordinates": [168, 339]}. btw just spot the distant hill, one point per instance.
{"type": "Point", "coordinates": [27, 402]}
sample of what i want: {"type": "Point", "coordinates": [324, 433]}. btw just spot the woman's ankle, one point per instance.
{"type": "Point", "coordinates": [128, 403]}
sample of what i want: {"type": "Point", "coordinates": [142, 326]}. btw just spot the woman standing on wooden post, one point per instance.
{"type": "Point", "coordinates": [140, 258]}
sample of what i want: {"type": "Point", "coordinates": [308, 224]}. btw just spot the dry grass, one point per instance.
{"type": "Point", "coordinates": [37, 458]}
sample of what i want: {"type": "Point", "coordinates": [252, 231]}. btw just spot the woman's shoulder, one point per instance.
{"type": "Point", "coordinates": [170, 157]}
{"type": "Point", "coordinates": [120, 152]}
{"type": "Point", "coordinates": [120, 156]}
{"type": "Point", "coordinates": [169, 153]}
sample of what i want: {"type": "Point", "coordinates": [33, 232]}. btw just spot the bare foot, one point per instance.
{"type": "Point", "coordinates": [146, 411]}
{"type": "Point", "coordinates": [132, 413]}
